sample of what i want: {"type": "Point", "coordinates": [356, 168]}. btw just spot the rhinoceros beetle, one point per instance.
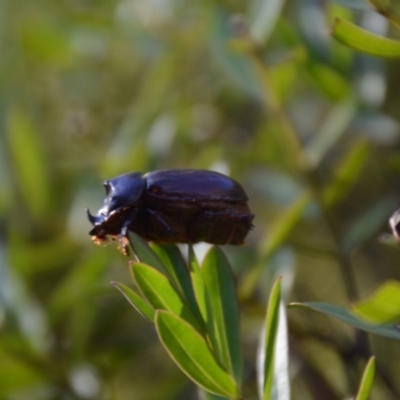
{"type": "Point", "coordinates": [173, 206]}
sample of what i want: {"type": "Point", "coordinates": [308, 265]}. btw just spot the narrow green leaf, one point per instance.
{"type": "Point", "coordinates": [367, 380]}
{"type": "Point", "coordinates": [346, 316]}
{"type": "Point", "coordinates": [284, 74]}
{"type": "Point", "coordinates": [366, 42]}
{"type": "Point", "coordinates": [285, 224]}
{"type": "Point", "coordinates": [135, 300]}
{"type": "Point", "coordinates": [281, 387]}
{"type": "Point", "coordinates": [193, 263]}
{"type": "Point", "coordinates": [271, 328]}
{"type": "Point", "coordinates": [198, 283]}
{"type": "Point", "coordinates": [264, 17]}
{"type": "Point", "coordinates": [191, 353]}
{"type": "Point", "coordinates": [20, 373]}
{"type": "Point", "coordinates": [144, 253]}
{"type": "Point", "coordinates": [347, 172]}
{"type": "Point", "coordinates": [48, 42]}
{"type": "Point", "coordinates": [335, 86]}
{"type": "Point", "coordinates": [222, 311]}
{"type": "Point", "coordinates": [177, 269]}
{"type": "Point", "coordinates": [160, 293]}
{"type": "Point", "coordinates": [172, 260]}
{"type": "Point", "coordinates": [235, 65]}
{"type": "Point", "coordinates": [29, 161]}
{"type": "Point", "coordinates": [280, 231]}
{"type": "Point", "coordinates": [281, 264]}
{"type": "Point", "coordinates": [382, 306]}
{"type": "Point", "coordinates": [332, 130]}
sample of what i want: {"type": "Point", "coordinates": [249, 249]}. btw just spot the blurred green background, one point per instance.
{"type": "Point", "coordinates": [257, 90]}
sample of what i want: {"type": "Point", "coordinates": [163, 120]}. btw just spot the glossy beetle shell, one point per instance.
{"type": "Point", "coordinates": [174, 206]}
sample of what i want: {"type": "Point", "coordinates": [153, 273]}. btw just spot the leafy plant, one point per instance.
{"type": "Point", "coordinates": [195, 312]}
{"type": "Point", "coordinates": [260, 90]}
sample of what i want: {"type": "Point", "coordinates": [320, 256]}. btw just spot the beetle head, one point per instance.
{"type": "Point", "coordinates": [122, 192]}
{"type": "Point", "coordinates": [123, 196]}
{"type": "Point", "coordinates": [98, 234]}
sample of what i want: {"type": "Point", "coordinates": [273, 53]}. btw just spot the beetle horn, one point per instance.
{"type": "Point", "coordinates": [93, 219]}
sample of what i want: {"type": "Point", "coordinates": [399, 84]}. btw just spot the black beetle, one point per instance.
{"type": "Point", "coordinates": [173, 206]}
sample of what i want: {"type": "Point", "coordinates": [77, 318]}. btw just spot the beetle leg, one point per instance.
{"type": "Point", "coordinates": [123, 235]}
{"type": "Point", "coordinates": [159, 218]}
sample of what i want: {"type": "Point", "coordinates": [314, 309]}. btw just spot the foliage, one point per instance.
{"type": "Point", "coordinates": [259, 90]}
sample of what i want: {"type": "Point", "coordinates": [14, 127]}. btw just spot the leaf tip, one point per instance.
{"type": "Point", "coordinates": [294, 305]}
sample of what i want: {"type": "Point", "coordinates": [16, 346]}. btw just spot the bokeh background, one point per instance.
{"type": "Point", "coordinates": [257, 90]}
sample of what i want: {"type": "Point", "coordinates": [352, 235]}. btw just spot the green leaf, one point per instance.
{"type": "Point", "coordinates": [236, 66]}
{"type": "Point", "coordinates": [284, 225]}
{"type": "Point", "coordinates": [366, 42]}
{"type": "Point", "coordinates": [177, 269]}
{"type": "Point", "coordinates": [48, 42]}
{"type": "Point", "coordinates": [160, 293]}
{"type": "Point", "coordinates": [198, 283]}
{"type": "Point", "coordinates": [329, 81]}
{"type": "Point", "coordinates": [191, 353]}
{"type": "Point", "coordinates": [281, 386]}
{"type": "Point", "coordinates": [382, 306]}
{"type": "Point", "coordinates": [144, 253]}
{"type": "Point", "coordinates": [136, 301]}
{"type": "Point", "coordinates": [281, 264]}
{"type": "Point", "coordinates": [222, 311]}
{"type": "Point", "coordinates": [173, 262]}
{"type": "Point", "coordinates": [347, 172]}
{"type": "Point", "coordinates": [346, 316]}
{"type": "Point", "coordinates": [264, 17]}
{"type": "Point", "coordinates": [193, 262]}
{"type": "Point", "coordinates": [20, 373]}
{"type": "Point", "coordinates": [332, 130]}
{"type": "Point", "coordinates": [284, 74]}
{"type": "Point", "coordinates": [28, 157]}
{"type": "Point", "coordinates": [267, 357]}
{"type": "Point", "coordinates": [367, 380]}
